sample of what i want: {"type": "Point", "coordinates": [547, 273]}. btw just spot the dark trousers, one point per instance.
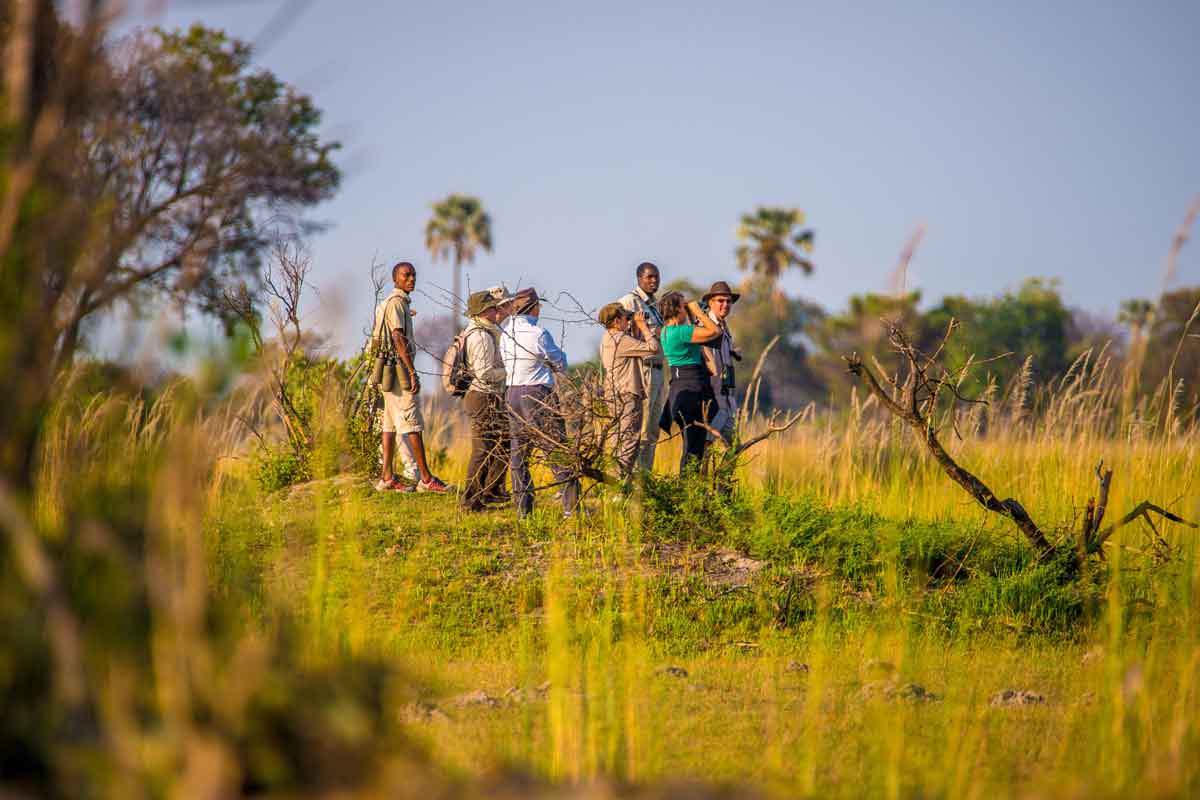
{"type": "Point", "coordinates": [536, 424]}
{"type": "Point", "coordinates": [691, 401]}
{"type": "Point", "coordinates": [485, 470]}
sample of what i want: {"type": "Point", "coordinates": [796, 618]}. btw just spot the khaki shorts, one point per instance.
{"type": "Point", "coordinates": [401, 413]}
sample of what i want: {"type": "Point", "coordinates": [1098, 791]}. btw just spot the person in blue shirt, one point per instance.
{"type": "Point", "coordinates": [690, 401]}
{"type": "Point", "coordinates": [531, 357]}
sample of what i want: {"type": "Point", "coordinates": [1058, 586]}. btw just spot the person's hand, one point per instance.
{"type": "Point", "coordinates": [414, 380]}
{"type": "Point", "coordinates": [639, 319]}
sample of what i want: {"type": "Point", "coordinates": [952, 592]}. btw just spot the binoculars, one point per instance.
{"type": "Point", "coordinates": [383, 373]}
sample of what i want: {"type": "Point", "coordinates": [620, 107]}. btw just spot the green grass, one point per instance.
{"type": "Point", "coordinates": [596, 607]}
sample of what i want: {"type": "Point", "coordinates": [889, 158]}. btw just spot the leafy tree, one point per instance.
{"type": "Point", "coordinates": [1091, 331]}
{"type": "Point", "coordinates": [155, 172]}
{"type": "Point", "coordinates": [860, 329]}
{"type": "Point", "coordinates": [1032, 321]}
{"type": "Point", "coordinates": [197, 154]}
{"type": "Point", "coordinates": [762, 313]}
{"type": "Point", "coordinates": [1172, 342]}
{"type": "Point", "coordinates": [458, 229]}
{"type": "Point", "coordinates": [772, 241]}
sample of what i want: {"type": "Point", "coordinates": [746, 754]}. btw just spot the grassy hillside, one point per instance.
{"type": "Point", "coordinates": [846, 623]}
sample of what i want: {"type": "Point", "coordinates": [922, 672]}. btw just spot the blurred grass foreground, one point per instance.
{"type": "Point", "coordinates": [187, 610]}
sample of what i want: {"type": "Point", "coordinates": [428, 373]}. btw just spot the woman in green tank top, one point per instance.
{"type": "Point", "coordinates": [691, 400]}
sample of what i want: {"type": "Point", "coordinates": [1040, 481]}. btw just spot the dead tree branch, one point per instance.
{"type": "Point", "coordinates": [926, 382]}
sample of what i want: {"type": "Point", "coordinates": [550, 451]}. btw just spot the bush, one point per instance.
{"type": "Point", "coordinates": [275, 469]}
{"type": "Point", "coordinates": [687, 508]}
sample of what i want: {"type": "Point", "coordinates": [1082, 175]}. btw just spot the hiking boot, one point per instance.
{"type": "Point", "coordinates": [393, 484]}
{"type": "Point", "coordinates": [433, 485]}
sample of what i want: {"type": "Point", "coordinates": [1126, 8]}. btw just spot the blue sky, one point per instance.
{"type": "Point", "coordinates": [1031, 139]}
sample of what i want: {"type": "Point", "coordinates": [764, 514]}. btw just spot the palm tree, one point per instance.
{"type": "Point", "coordinates": [458, 229]}
{"type": "Point", "coordinates": [769, 240]}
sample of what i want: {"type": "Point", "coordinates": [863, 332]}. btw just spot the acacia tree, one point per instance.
{"type": "Point", "coordinates": [457, 231]}
{"type": "Point", "coordinates": [153, 171]}
{"type": "Point", "coordinates": [772, 241]}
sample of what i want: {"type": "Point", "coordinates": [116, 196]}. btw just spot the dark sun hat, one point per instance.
{"type": "Point", "coordinates": [524, 300]}
{"type": "Point", "coordinates": [720, 288]}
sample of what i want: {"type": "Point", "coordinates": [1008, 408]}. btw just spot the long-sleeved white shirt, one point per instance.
{"type": "Point", "coordinates": [529, 353]}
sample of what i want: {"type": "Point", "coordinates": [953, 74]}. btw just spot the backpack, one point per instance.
{"type": "Point", "coordinates": [456, 378]}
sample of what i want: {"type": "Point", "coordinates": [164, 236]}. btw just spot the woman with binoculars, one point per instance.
{"type": "Point", "coordinates": [687, 328]}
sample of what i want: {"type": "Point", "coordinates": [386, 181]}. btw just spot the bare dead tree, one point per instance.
{"type": "Point", "coordinates": [284, 284]}
{"type": "Point", "coordinates": [917, 392]}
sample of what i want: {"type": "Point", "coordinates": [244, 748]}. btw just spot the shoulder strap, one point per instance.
{"type": "Point", "coordinates": [379, 326]}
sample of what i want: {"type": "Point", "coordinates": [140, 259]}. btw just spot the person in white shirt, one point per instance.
{"type": "Point", "coordinates": [642, 300]}
{"type": "Point", "coordinates": [531, 358]}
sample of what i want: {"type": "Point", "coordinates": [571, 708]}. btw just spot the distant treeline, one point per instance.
{"type": "Point", "coordinates": [1031, 323]}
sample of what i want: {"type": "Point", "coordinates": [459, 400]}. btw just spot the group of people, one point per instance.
{"type": "Point", "coordinates": [667, 362]}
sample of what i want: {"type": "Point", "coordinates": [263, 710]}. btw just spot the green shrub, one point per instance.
{"type": "Point", "coordinates": [278, 468]}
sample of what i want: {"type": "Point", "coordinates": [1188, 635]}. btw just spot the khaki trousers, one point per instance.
{"type": "Point", "coordinates": [628, 410]}
{"type": "Point", "coordinates": [652, 408]}
{"type": "Point", "coordinates": [489, 448]}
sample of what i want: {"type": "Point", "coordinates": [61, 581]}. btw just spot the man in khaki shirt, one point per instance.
{"type": "Point", "coordinates": [642, 299]}
{"type": "Point", "coordinates": [622, 356]}
{"type": "Point", "coordinates": [401, 409]}
{"type": "Point", "coordinates": [484, 403]}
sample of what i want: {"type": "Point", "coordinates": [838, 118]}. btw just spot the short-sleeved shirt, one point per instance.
{"type": "Point", "coordinates": [677, 346]}
{"type": "Point", "coordinates": [393, 314]}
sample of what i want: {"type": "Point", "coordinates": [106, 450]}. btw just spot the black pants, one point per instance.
{"type": "Point", "coordinates": [691, 401]}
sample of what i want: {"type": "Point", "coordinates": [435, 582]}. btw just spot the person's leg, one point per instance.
{"type": "Point", "coordinates": [390, 418]}
{"type": "Point", "coordinates": [410, 424]}
{"type": "Point", "coordinates": [652, 409]}
{"type": "Point", "coordinates": [416, 446]}
{"type": "Point", "coordinates": [550, 422]}
{"type": "Point", "coordinates": [472, 489]}
{"type": "Point", "coordinates": [497, 451]}
{"type": "Point", "coordinates": [722, 421]}
{"type": "Point", "coordinates": [389, 448]}
{"type": "Point", "coordinates": [629, 428]}
{"type": "Point", "coordinates": [519, 450]}
{"type": "Point", "coordinates": [686, 410]}
{"type": "Point", "coordinates": [729, 431]}
{"type": "Point", "coordinates": [408, 464]}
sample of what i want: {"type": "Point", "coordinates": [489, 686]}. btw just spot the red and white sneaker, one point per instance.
{"type": "Point", "coordinates": [435, 485]}
{"type": "Point", "coordinates": [393, 484]}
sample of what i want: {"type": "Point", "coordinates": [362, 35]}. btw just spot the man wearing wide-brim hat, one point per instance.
{"type": "Point", "coordinates": [484, 403]}
{"type": "Point", "coordinates": [531, 358]}
{"type": "Point", "coordinates": [720, 357]}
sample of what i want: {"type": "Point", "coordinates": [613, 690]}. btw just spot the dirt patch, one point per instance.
{"type": "Point", "coordinates": [719, 567]}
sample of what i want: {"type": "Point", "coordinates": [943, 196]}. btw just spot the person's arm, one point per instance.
{"type": "Point", "coordinates": [706, 330]}
{"type": "Point", "coordinates": [551, 352]}
{"type": "Point", "coordinates": [395, 325]}
{"type": "Point", "coordinates": [632, 347]}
